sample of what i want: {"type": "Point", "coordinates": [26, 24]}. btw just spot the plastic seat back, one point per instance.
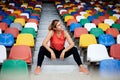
{"type": "Point", "coordinates": [3, 53]}
{"type": "Point", "coordinates": [115, 51]}
{"type": "Point", "coordinates": [106, 39]}
{"type": "Point", "coordinates": [16, 25]}
{"type": "Point", "coordinates": [29, 30]}
{"type": "Point", "coordinates": [17, 70]}
{"type": "Point", "coordinates": [116, 25]}
{"type": "Point", "coordinates": [25, 39]}
{"type": "Point", "coordinates": [33, 21]}
{"type": "Point", "coordinates": [21, 52]}
{"type": "Point", "coordinates": [109, 21]}
{"type": "Point", "coordinates": [96, 32]}
{"type": "Point", "coordinates": [88, 26]}
{"type": "Point", "coordinates": [31, 25]}
{"type": "Point", "coordinates": [110, 69]}
{"type": "Point", "coordinates": [84, 21]}
{"type": "Point", "coordinates": [3, 26]}
{"type": "Point", "coordinates": [20, 20]}
{"type": "Point", "coordinates": [79, 31]}
{"type": "Point", "coordinates": [68, 17]}
{"type": "Point", "coordinates": [74, 25]}
{"type": "Point", "coordinates": [86, 40]}
{"type": "Point", "coordinates": [97, 52]}
{"type": "Point", "coordinates": [113, 31]}
{"type": "Point", "coordinates": [103, 26]}
{"type": "Point", "coordinates": [70, 21]}
{"type": "Point", "coordinates": [6, 39]}
{"type": "Point", "coordinates": [96, 21]}
{"type": "Point", "coordinates": [13, 31]}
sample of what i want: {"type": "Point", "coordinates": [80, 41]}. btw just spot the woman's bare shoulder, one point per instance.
{"type": "Point", "coordinates": [50, 32]}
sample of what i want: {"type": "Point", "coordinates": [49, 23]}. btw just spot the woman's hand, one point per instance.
{"type": "Point", "coordinates": [53, 57]}
{"type": "Point", "coordinates": [62, 55]}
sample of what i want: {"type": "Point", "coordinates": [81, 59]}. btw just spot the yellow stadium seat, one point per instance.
{"type": "Point", "coordinates": [25, 39]}
{"type": "Point", "coordinates": [17, 12]}
{"type": "Point", "coordinates": [114, 18]}
{"type": "Point", "coordinates": [87, 39]}
{"type": "Point", "coordinates": [37, 9]}
{"type": "Point", "coordinates": [20, 20]}
{"type": "Point", "coordinates": [68, 17]}
{"type": "Point", "coordinates": [103, 26]}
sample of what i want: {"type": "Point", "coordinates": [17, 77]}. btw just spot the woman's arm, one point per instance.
{"type": "Point", "coordinates": [46, 40]}
{"type": "Point", "coordinates": [70, 41]}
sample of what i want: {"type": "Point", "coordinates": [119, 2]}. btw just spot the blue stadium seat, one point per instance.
{"type": "Point", "coordinates": [6, 39]}
{"type": "Point", "coordinates": [110, 68]}
{"type": "Point", "coordinates": [106, 39]}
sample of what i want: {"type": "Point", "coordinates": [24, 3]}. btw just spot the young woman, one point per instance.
{"type": "Point", "coordinates": [57, 37]}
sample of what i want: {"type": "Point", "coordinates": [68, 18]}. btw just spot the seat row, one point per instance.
{"type": "Point", "coordinates": [18, 29]}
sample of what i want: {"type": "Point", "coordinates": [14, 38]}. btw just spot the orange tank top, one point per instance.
{"type": "Point", "coordinates": [57, 42]}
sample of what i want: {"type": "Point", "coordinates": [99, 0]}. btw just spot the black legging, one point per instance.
{"type": "Point", "coordinates": [43, 51]}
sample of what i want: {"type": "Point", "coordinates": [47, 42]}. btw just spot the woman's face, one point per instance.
{"type": "Point", "coordinates": [59, 26]}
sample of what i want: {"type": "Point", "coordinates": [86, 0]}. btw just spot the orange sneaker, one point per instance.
{"type": "Point", "coordinates": [37, 70]}
{"type": "Point", "coordinates": [83, 69]}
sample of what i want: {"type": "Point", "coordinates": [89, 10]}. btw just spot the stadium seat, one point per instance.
{"type": "Point", "coordinates": [110, 69]}
{"type": "Point", "coordinates": [78, 18]}
{"type": "Point", "coordinates": [84, 21]}
{"type": "Point", "coordinates": [7, 20]}
{"type": "Point", "coordinates": [11, 17]}
{"type": "Point", "coordinates": [109, 21]}
{"type": "Point", "coordinates": [25, 39]}
{"type": "Point", "coordinates": [17, 70]}
{"type": "Point", "coordinates": [20, 20]}
{"type": "Point", "coordinates": [97, 52]}
{"type": "Point", "coordinates": [16, 25]}
{"type": "Point", "coordinates": [33, 21]}
{"type": "Point", "coordinates": [89, 26]}
{"type": "Point", "coordinates": [13, 31]}
{"type": "Point", "coordinates": [106, 39]}
{"type": "Point", "coordinates": [96, 21]}
{"type": "Point", "coordinates": [103, 26]}
{"type": "Point", "coordinates": [115, 51]}
{"type": "Point", "coordinates": [3, 53]}
{"type": "Point", "coordinates": [21, 52]}
{"type": "Point", "coordinates": [24, 17]}
{"type": "Point", "coordinates": [116, 25]}
{"type": "Point", "coordinates": [102, 18]}
{"type": "Point", "coordinates": [17, 12]}
{"type": "Point", "coordinates": [118, 39]}
{"type": "Point", "coordinates": [68, 17]}
{"type": "Point", "coordinates": [96, 32]}
{"type": "Point", "coordinates": [31, 25]}
{"type": "Point", "coordinates": [79, 31]}
{"type": "Point", "coordinates": [117, 15]}
{"type": "Point", "coordinates": [86, 40]}
{"type": "Point", "coordinates": [114, 18]}
{"type": "Point", "coordinates": [74, 25]}
{"type": "Point", "coordinates": [6, 39]}
{"type": "Point", "coordinates": [3, 26]}
{"type": "Point", "coordinates": [113, 31]}
{"type": "Point", "coordinates": [29, 30]}
{"type": "Point", "coordinates": [70, 21]}
{"type": "Point", "coordinates": [25, 14]}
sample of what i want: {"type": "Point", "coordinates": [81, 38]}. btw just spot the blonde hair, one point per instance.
{"type": "Point", "coordinates": [53, 24]}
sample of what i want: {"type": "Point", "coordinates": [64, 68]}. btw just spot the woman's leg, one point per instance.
{"type": "Point", "coordinates": [42, 52]}
{"type": "Point", "coordinates": [77, 58]}
{"type": "Point", "coordinates": [75, 54]}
